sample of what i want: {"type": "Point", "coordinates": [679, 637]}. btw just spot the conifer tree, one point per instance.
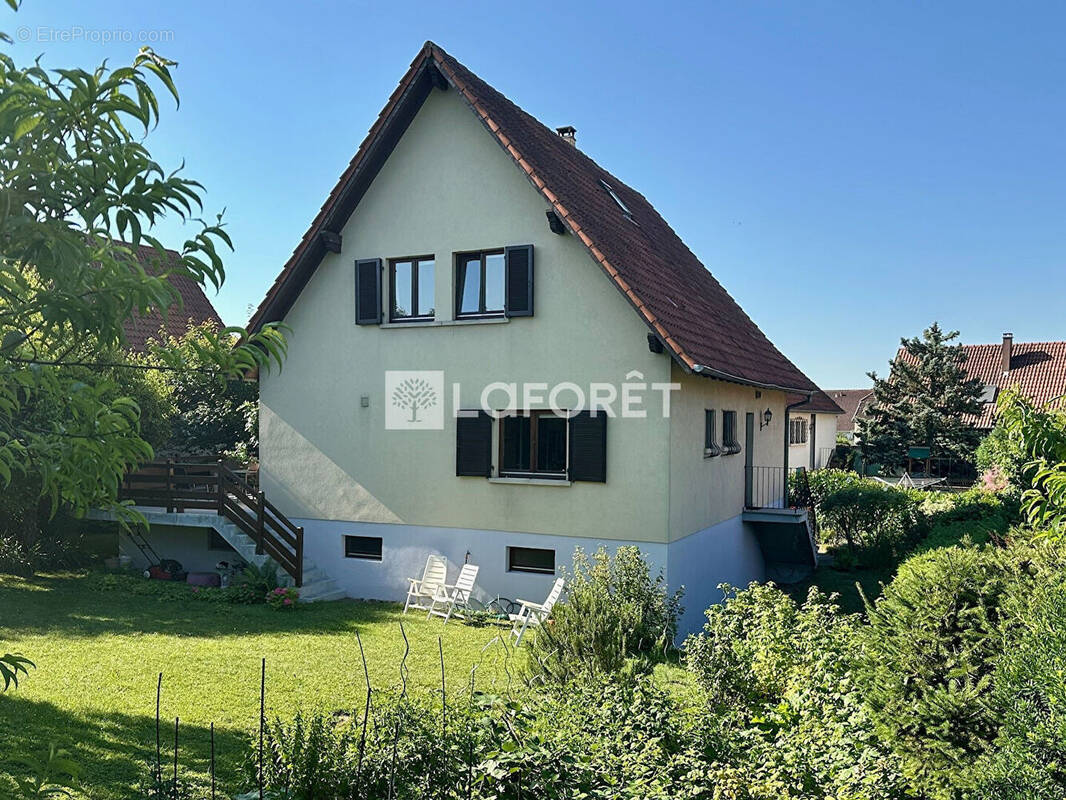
{"type": "Point", "coordinates": [922, 403]}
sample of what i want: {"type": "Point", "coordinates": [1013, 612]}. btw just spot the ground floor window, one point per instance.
{"type": "Point", "coordinates": [797, 431]}
{"type": "Point", "coordinates": [530, 559]}
{"type": "Point", "coordinates": [729, 433]}
{"type": "Point", "coordinates": [368, 547]}
{"type": "Point", "coordinates": [533, 443]}
{"type": "Point", "coordinates": [710, 437]}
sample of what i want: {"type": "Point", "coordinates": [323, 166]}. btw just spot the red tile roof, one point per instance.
{"type": "Point", "coordinates": [676, 296]}
{"type": "Point", "coordinates": [1037, 370]}
{"type": "Point", "coordinates": [851, 402]}
{"type": "Point", "coordinates": [820, 403]}
{"type": "Point", "coordinates": [194, 309]}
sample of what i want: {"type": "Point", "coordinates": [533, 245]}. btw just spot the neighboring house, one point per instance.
{"type": "Point", "coordinates": [853, 404]}
{"type": "Point", "coordinates": [194, 308]}
{"type": "Point", "coordinates": [470, 243]}
{"type": "Point", "coordinates": [1037, 370]}
{"type": "Point", "coordinates": [812, 431]}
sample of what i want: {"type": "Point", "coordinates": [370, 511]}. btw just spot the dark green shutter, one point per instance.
{"type": "Point", "coordinates": [368, 291]}
{"type": "Point", "coordinates": [518, 280]}
{"type": "Point", "coordinates": [588, 447]}
{"type": "Point", "coordinates": [473, 444]}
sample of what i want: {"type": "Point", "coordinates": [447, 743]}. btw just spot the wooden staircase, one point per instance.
{"type": "Point", "coordinates": [179, 487]}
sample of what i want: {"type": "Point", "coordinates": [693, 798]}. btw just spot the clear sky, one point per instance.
{"type": "Point", "coordinates": [849, 171]}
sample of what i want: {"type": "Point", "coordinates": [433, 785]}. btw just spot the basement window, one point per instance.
{"type": "Point", "coordinates": [531, 559]}
{"type": "Point", "coordinates": [365, 547]}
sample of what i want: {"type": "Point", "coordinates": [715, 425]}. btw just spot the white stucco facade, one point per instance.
{"type": "Point", "coordinates": [821, 441]}
{"type": "Point", "coordinates": [330, 464]}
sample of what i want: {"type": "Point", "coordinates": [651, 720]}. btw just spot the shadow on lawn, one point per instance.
{"type": "Point", "coordinates": [57, 603]}
{"type": "Point", "coordinates": [115, 750]}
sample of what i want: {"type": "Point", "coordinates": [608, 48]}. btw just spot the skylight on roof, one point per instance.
{"type": "Point", "coordinates": [988, 394]}
{"type": "Point", "coordinates": [617, 199]}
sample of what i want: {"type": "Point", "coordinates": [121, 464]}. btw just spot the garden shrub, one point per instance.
{"type": "Point", "coordinates": [244, 592]}
{"type": "Point", "coordinates": [784, 701]}
{"type": "Point", "coordinates": [877, 523]}
{"type": "Point", "coordinates": [882, 524]}
{"type": "Point", "coordinates": [613, 740]}
{"type": "Point", "coordinates": [614, 611]}
{"type": "Point", "coordinates": [283, 598]}
{"type": "Point", "coordinates": [1028, 758]}
{"type": "Point", "coordinates": [931, 651]}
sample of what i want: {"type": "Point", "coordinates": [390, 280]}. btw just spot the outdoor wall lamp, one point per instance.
{"type": "Point", "coordinates": [767, 416]}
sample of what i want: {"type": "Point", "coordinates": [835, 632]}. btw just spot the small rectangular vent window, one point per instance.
{"type": "Point", "coordinates": [368, 547]}
{"type": "Point", "coordinates": [530, 559]}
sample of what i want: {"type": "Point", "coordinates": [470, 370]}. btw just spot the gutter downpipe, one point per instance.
{"type": "Point", "coordinates": [789, 407]}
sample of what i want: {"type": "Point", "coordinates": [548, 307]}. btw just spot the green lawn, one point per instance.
{"type": "Point", "coordinates": [98, 654]}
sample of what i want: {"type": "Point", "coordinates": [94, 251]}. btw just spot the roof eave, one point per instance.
{"type": "Point", "coordinates": [711, 372]}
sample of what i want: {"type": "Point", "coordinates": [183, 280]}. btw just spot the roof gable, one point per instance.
{"type": "Point", "coordinates": [680, 301]}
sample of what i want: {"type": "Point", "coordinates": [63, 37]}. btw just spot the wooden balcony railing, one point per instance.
{"type": "Point", "coordinates": [180, 486]}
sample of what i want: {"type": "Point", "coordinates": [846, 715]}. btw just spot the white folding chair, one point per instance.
{"type": "Point", "coordinates": [421, 591]}
{"type": "Point", "coordinates": [453, 599]}
{"type": "Point", "coordinates": [532, 615]}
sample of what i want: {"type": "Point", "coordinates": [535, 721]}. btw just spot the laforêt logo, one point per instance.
{"type": "Point", "coordinates": [414, 400]}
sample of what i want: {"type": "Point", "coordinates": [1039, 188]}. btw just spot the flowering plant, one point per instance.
{"type": "Point", "coordinates": [282, 598]}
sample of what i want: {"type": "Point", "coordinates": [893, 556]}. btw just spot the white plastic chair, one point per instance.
{"type": "Point", "coordinates": [453, 599]}
{"type": "Point", "coordinates": [421, 591]}
{"type": "Point", "coordinates": [534, 614]}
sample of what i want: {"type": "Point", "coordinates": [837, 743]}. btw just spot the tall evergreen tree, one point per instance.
{"type": "Point", "coordinates": [923, 402]}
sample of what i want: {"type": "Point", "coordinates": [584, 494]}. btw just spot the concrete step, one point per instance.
{"type": "Point", "coordinates": [311, 590]}
{"type": "Point", "coordinates": [328, 597]}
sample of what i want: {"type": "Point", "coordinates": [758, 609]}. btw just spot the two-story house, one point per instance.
{"type": "Point", "coordinates": [472, 275]}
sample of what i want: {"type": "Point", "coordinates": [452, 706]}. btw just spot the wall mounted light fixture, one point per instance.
{"type": "Point", "coordinates": [767, 417]}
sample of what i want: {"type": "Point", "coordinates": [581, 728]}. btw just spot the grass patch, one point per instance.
{"type": "Point", "coordinates": [98, 653]}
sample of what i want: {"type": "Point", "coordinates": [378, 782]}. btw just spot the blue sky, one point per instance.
{"type": "Point", "coordinates": [849, 171]}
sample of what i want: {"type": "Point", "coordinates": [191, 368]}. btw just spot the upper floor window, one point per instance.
{"type": "Point", "coordinates": [411, 288]}
{"type": "Point", "coordinates": [479, 285]}
{"type": "Point", "coordinates": [797, 431]}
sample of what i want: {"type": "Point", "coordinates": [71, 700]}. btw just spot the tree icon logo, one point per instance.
{"type": "Point", "coordinates": [414, 394]}
{"type": "Point", "coordinates": [414, 399]}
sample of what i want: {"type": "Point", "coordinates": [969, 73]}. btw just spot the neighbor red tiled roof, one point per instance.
{"type": "Point", "coordinates": [194, 309]}
{"type": "Point", "coordinates": [851, 402]}
{"type": "Point", "coordinates": [1037, 370]}
{"type": "Point", "coordinates": [820, 403]}
{"type": "Point", "coordinates": [688, 310]}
